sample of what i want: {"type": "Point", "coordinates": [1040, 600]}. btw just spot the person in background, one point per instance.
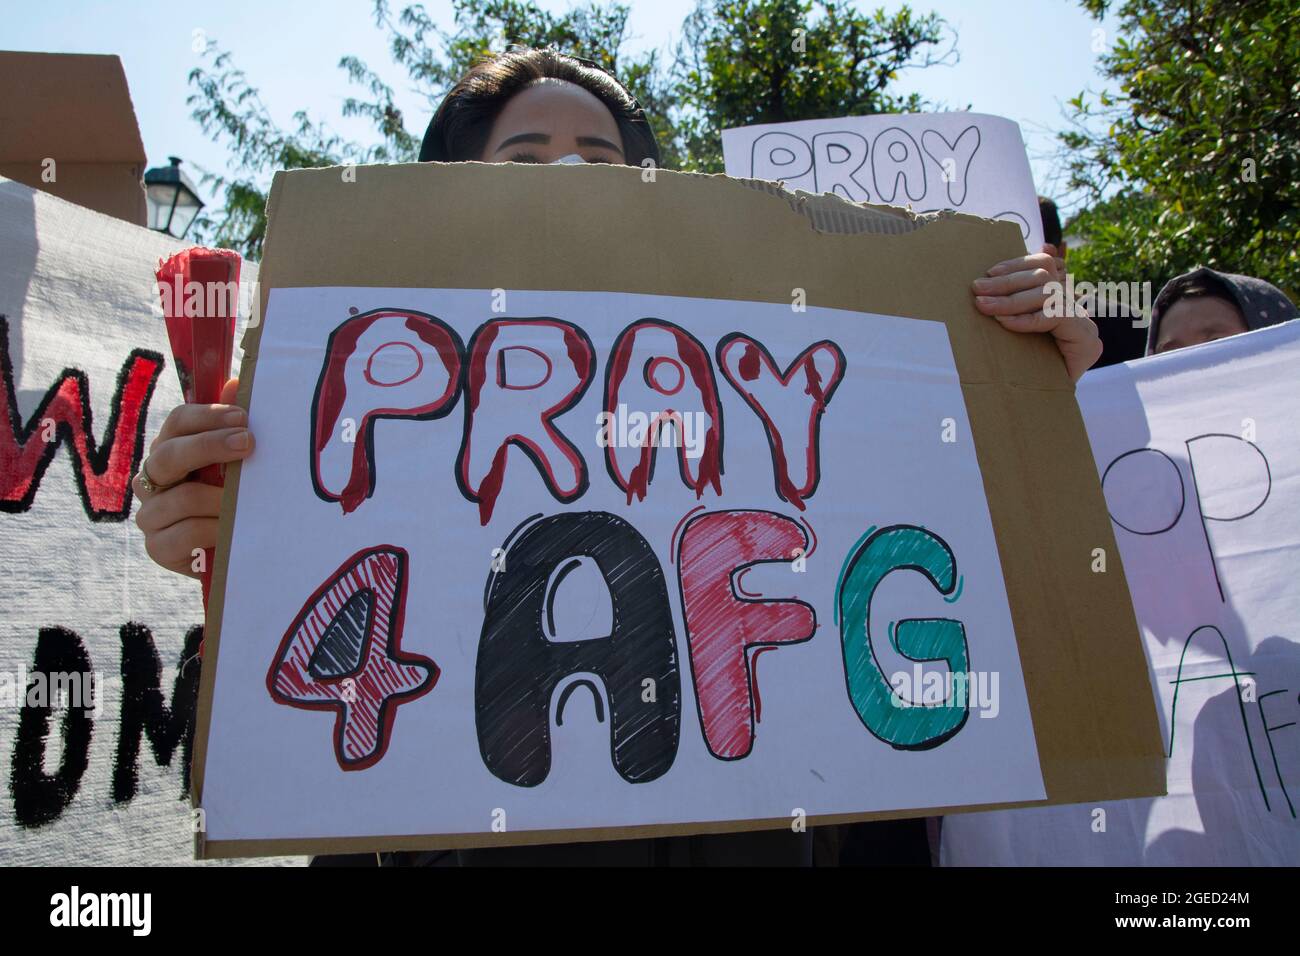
{"type": "Point", "coordinates": [1204, 305]}
{"type": "Point", "coordinates": [1052, 237]}
{"type": "Point", "coordinates": [1121, 339]}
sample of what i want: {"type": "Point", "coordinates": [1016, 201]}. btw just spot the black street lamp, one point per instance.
{"type": "Point", "coordinates": [173, 202]}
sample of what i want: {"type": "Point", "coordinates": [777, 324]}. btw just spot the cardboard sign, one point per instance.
{"type": "Point", "coordinates": [1200, 463]}
{"type": "Point", "coordinates": [72, 132]}
{"type": "Point", "coordinates": [532, 501]}
{"type": "Point", "coordinates": [969, 162]}
{"type": "Point", "coordinates": [98, 666]}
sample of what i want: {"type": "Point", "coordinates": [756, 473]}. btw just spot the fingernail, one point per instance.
{"type": "Point", "coordinates": [238, 441]}
{"type": "Point", "coordinates": [981, 285]}
{"type": "Point", "coordinates": [983, 299]}
{"type": "Point", "coordinates": [235, 417]}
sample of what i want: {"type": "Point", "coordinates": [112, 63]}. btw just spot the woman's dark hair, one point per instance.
{"type": "Point", "coordinates": [459, 130]}
{"type": "Point", "coordinates": [1051, 221]}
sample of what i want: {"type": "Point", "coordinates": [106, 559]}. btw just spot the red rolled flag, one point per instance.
{"type": "Point", "coordinates": [200, 294]}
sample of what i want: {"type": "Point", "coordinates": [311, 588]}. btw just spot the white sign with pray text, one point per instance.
{"type": "Point", "coordinates": [470, 591]}
{"type": "Point", "coordinates": [970, 162]}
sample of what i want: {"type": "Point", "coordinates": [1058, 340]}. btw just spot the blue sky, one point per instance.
{"type": "Point", "coordinates": [1020, 60]}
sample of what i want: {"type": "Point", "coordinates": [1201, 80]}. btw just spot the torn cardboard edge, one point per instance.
{"type": "Point", "coordinates": [695, 235]}
{"type": "Point", "coordinates": [826, 213]}
{"type": "Point", "coordinates": [831, 213]}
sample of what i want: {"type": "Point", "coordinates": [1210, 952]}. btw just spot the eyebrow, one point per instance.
{"type": "Point", "coordinates": [543, 139]}
{"type": "Point", "coordinates": [597, 141]}
{"type": "Point", "coordinates": [539, 138]}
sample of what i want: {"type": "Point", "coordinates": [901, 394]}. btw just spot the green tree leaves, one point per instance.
{"type": "Point", "coordinates": [738, 62]}
{"type": "Point", "coordinates": [1199, 163]}
{"type": "Point", "coordinates": [772, 61]}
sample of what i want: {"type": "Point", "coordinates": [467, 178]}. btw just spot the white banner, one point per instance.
{"type": "Point", "coordinates": [97, 676]}
{"type": "Point", "coordinates": [1199, 452]}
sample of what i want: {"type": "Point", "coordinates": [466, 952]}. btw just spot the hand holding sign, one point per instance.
{"type": "Point", "coordinates": [182, 519]}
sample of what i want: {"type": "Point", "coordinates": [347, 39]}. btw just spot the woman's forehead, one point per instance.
{"type": "Point", "coordinates": [1203, 310]}
{"type": "Point", "coordinates": [551, 104]}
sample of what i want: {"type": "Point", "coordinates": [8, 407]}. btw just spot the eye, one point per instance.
{"type": "Point", "coordinates": [524, 158]}
{"type": "Point", "coordinates": [607, 162]}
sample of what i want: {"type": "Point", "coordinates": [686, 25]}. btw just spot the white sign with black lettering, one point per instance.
{"type": "Point", "coordinates": [970, 162]}
{"type": "Point", "coordinates": [1200, 463]}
